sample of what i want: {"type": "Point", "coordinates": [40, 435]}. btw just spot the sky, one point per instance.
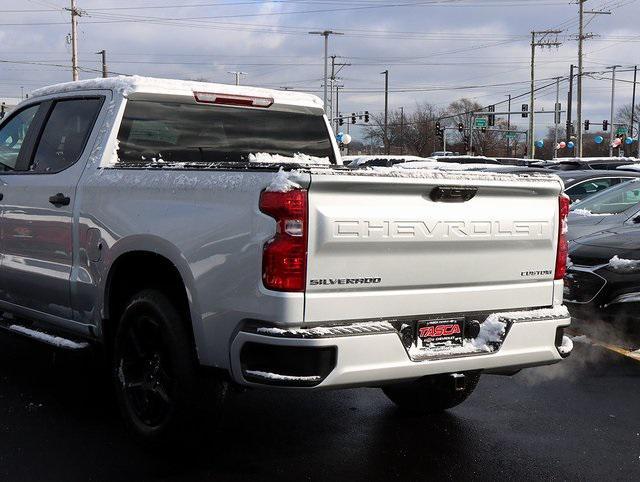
{"type": "Point", "coordinates": [436, 51]}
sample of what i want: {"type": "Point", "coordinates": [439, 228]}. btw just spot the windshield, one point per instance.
{"type": "Point", "coordinates": [612, 201]}
{"type": "Point", "coordinates": [192, 133]}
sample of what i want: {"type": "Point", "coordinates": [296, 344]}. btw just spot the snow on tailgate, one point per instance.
{"type": "Point", "coordinates": [437, 174]}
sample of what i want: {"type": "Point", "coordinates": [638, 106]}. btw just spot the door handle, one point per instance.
{"type": "Point", "coordinates": [60, 200]}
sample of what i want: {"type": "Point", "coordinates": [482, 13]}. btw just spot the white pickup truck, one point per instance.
{"type": "Point", "coordinates": [207, 234]}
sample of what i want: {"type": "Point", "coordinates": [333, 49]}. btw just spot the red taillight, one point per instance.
{"type": "Point", "coordinates": [228, 99]}
{"type": "Point", "coordinates": [284, 260]}
{"type": "Point", "coordinates": [563, 244]}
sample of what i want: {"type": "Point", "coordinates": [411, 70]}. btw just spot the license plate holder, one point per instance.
{"type": "Point", "coordinates": [445, 332]}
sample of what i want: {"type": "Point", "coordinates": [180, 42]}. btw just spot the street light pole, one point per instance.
{"type": "Point", "coordinates": [325, 34]}
{"type": "Point", "coordinates": [386, 111]}
{"type": "Point", "coordinates": [105, 72]}
{"type": "Point", "coordinates": [613, 101]}
{"type": "Point", "coordinates": [535, 42]}
{"type": "Point", "coordinates": [557, 118]}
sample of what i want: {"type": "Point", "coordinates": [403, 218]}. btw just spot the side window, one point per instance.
{"type": "Point", "coordinates": [65, 134]}
{"type": "Point", "coordinates": [12, 136]}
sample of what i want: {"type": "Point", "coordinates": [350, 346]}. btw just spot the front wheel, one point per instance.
{"type": "Point", "coordinates": [155, 369]}
{"type": "Point", "coordinates": [431, 394]}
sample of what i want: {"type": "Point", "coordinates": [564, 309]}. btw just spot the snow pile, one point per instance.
{"type": "Point", "coordinates": [285, 378]}
{"type": "Point", "coordinates": [491, 331]}
{"type": "Point", "coordinates": [48, 339]}
{"type": "Point", "coordinates": [282, 183]}
{"type": "Point", "coordinates": [622, 265]}
{"type": "Point", "coordinates": [566, 347]}
{"type": "Point", "coordinates": [587, 213]}
{"type": "Point", "coordinates": [299, 158]}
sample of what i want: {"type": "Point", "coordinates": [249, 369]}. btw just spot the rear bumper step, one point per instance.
{"type": "Point", "coordinates": [329, 357]}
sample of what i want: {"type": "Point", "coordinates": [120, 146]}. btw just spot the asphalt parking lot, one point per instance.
{"type": "Point", "coordinates": [575, 421]}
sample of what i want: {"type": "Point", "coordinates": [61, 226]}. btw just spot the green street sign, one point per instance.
{"type": "Point", "coordinates": [511, 135]}
{"type": "Point", "coordinates": [621, 131]}
{"type": "Point", "coordinates": [481, 122]}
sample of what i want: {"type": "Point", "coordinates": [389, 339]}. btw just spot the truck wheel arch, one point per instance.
{"type": "Point", "coordinates": [137, 269]}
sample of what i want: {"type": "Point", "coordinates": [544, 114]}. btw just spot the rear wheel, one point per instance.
{"type": "Point", "coordinates": [155, 369]}
{"type": "Point", "coordinates": [431, 394]}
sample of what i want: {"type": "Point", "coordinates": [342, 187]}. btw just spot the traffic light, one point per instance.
{"type": "Point", "coordinates": [340, 120]}
{"type": "Point", "coordinates": [440, 133]}
{"type": "Point", "coordinates": [353, 117]}
{"type": "Point", "coordinates": [525, 111]}
{"type": "Point", "coordinates": [437, 125]}
{"type": "Point", "coordinates": [586, 125]}
{"type": "Point", "coordinates": [605, 125]}
{"type": "Point", "coordinates": [460, 127]}
{"type": "Point", "coordinates": [492, 117]}
{"type": "Point", "coordinates": [366, 116]}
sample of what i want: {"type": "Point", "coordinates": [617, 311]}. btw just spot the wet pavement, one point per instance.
{"type": "Point", "coordinates": [576, 421]}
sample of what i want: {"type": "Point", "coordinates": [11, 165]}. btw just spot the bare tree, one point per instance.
{"type": "Point", "coordinates": [414, 133]}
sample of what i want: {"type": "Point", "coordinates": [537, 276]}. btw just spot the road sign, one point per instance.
{"type": "Point", "coordinates": [621, 131]}
{"type": "Point", "coordinates": [481, 122]}
{"type": "Point", "coordinates": [511, 135]}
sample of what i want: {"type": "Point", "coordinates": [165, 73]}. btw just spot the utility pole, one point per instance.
{"type": "Point", "coordinates": [570, 104]}
{"type": "Point", "coordinates": [509, 128]}
{"type": "Point", "coordinates": [633, 102]}
{"type": "Point", "coordinates": [337, 116]}
{"type": "Point", "coordinates": [333, 83]}
{"type": "Point", "coordinates": [537, 40]}
{"type": "Point", "coordinates": [237, 75]}
{"type": "Point", "coordinates": [613, 102]}
{"type": "Point", "coordinates": [557, 118]}
{"type": "Point", "coordinates": [386, 110]}
{"type": "Point", "coordinates": [75, 13]}
{"type": "Point", "coordinates": [581, 38]}
{"type": "Point", "coordinates": [105, 72]}
{"type": "Point", "coordinates": [326, 34]}
{"type": "Point", "coordinates": [401, 130]}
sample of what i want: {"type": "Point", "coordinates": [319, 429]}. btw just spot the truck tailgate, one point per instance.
{"type": "Point", "coordinates": [386, 246]}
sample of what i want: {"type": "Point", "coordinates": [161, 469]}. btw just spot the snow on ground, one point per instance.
{"type": "Point", "coordinates": [622, 265]}
{"type": "Point", "coordinates": [49, 339]}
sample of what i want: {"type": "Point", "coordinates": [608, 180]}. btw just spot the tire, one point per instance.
{"type": "Point", "coordinates": [430, 394]}
{"type": "Point", "coordinates": [155, 371]}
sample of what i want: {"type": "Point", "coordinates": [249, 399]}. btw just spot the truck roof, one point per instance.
{"type": "Point", "coordinates": [127, 85]}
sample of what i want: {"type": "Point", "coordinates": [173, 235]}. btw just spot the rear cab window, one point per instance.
{"type": "Point", "coordinates": [65, 134]}
{"type": "Point", "coordinates": [171, 132]}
